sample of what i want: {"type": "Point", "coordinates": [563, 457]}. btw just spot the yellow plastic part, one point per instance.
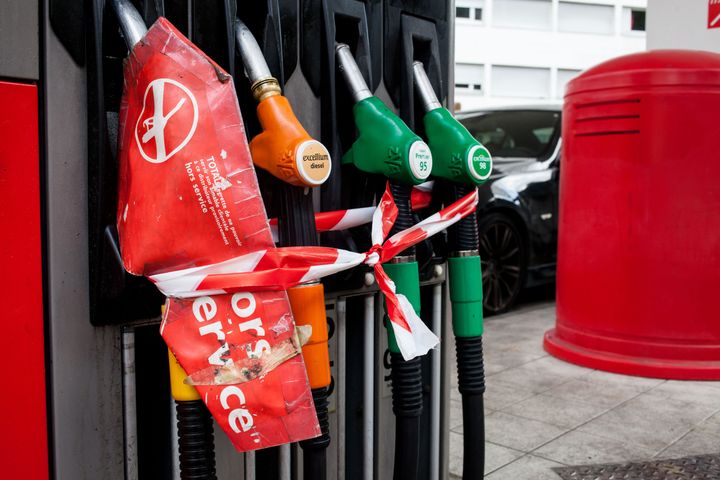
{"type": "Point", "coordinates": [181, 392]}
{"type": "Point", "coordinates": [308, 307]}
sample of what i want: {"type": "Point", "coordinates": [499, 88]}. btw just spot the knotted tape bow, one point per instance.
{"type": "Point", "coordinates": [284, 267]}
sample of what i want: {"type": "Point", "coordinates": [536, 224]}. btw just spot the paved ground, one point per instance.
{"type": "Point", "coordinates": [542, 412]}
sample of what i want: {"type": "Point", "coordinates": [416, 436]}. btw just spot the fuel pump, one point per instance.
{"type": "Point", "coordinates": [461, 160]}
{"type": "Point", "coordinates": [196, 443]}
{"type": "Point", "coordinates": [386, 146]}
{"type": "Point", "coordinates": [285, 149]}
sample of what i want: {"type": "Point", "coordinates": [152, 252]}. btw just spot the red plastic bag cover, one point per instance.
{"type": "Point", "coordinates": [188, 196]}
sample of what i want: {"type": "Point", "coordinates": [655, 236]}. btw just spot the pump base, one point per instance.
{"type": "Point", "coordinates": [594, 351]}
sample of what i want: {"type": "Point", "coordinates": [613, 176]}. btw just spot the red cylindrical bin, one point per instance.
{"type": "Point", "coordinates": [638, 276]}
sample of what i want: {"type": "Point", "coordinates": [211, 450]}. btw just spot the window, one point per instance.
{"type": "Point", "coordinates": [462, 12]}
{"type": "Point", "coordinates": [516, 133]}
{"type": "Point", "coordinates": [523, 14]}
{"type": "Point", "coordinates": [633, 21]}
{"type": "Point", "coordinates": [470, 9]}
{"type": "Point", "coordinates": [637, 20]}
{"type": "Point", "coordinates": [586, 18]}
{"type": "Point", "coordinates": [469, 77]}
{"type": "Point", "coordinates": [563, 77]}
{"type": "Point", "coordinates": [523, 82]}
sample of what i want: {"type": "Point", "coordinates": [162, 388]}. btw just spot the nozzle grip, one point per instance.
{"type": "Point", "coordinates": [181, 392]}
{"type": "Point", "coordinates": [466, 296]}
{"type": "Point", "coordinates": [407, 281]}
{"type": "Point", "coordinates": [285, 149]}
{"type": "Point", "coordinates": [458, 156]}
{"type": "Point", "coordinates": [386, 146]}
{"type": "Point", "coordinates": [308, 307]}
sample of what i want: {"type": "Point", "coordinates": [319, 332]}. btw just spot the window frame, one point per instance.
{"type": "Point", "coordinates": [626, 28]}
{"type": "Point", "coordinates": [611, 8]}
{"type": "Point", "coordinates": [471, 88]}
{"type": "Point", "coordinates": [545, 28]}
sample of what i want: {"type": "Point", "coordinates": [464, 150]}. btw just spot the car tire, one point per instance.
{"type": "Point", "coordinates": [503, 256]}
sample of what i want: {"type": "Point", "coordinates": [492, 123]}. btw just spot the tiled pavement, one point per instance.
{"type": "Point", "coordinates": [542, 412]}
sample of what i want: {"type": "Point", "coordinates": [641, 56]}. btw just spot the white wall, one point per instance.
{"type": "Point", "coordinates": [540, 44]}
{"type": "Point", "coordinates": [680, 24]}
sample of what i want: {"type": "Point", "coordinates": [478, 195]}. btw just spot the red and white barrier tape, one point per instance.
{"type": "Point", "coordinates": [281, 268]}
{"type": "Point", "coordinates": [336, 220]}
{"type": "Point", "coordinates": [421, 195]}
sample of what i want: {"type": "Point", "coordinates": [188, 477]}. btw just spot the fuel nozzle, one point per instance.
{"type": "Point", "coordinates": [465, 162]}
{"type": "Point", "coordinates": [459, 157]}
{"type": "Point", "coordinates": [385, 145]}
{"type": "Point", "coordinates": [283, 148]}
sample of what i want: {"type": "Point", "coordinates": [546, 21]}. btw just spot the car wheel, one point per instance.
{"type": "Point", "coordinates": [503, 256]}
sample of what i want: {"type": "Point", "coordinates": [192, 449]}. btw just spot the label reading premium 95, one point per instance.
{"type": "Point", "coordinates": [420, 160]}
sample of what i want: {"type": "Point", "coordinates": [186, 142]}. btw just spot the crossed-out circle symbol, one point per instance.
{"type": "Point", "coordinates": [154, 125]}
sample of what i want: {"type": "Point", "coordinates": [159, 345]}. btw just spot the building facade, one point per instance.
{"type": "Point", "coordinates": [525, 51]}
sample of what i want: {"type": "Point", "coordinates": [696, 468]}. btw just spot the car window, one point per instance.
{"type": "Point", "coordinates": [516, 133]}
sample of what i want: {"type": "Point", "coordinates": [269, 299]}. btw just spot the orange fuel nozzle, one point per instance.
{"type": "Point", "coordinates": [308, 307]}
{"type": "Point", "coordinates": [283, 148]}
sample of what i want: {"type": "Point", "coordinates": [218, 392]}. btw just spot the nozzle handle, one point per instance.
{"type": "Point", "coordinates": [132, 24]}
{"type": "Point", "coordinates": [349, 68]}
{"type": "Point", "coordinates": [424, 88]}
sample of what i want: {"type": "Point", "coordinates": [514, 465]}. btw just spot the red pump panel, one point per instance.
{"type": "Point", "coordinates": [23, 444]}
{"type": "Point", "coordinates": [639, 234]}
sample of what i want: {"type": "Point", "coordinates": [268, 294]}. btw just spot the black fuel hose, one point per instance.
{"type": "Point", "coordinates": [407, 400]}
{"type": "Point", "coordinates": [315, 449]}
{"type": "Point", "coordinates": [405, 375]}
{"type": "Point", "coordinates": [463, 237]}
{"type": "Point", "coordinates": [196, 442]}
{"type": "Point", "coordinates": [297, 227]}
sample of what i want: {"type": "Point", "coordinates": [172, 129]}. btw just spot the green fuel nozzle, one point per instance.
{"type": "Point", "coordinates": [385, 145]}
{"type": "Point", "coordinates": [466, 163]}
{"type": "Point", "coordinates": [459, 157]}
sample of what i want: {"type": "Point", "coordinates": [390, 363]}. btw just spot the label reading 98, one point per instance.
{"type": "Point", "coordinates": [479, 162]}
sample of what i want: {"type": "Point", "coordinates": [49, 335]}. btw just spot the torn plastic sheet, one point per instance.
{"type": "Point", "coordinates": [188, 196]}
{"type": "Point", "coordinates": [253, 366]}
{"type": "Point", "coordinates": [227, 345]}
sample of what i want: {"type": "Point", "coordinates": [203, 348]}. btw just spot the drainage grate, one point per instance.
{"type": "Point", "coordinates": [701, 467]}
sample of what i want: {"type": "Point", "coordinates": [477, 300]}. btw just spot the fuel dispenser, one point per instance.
{"type": "Point", "coordinates": [462, 161]}
{"type": "Point", "coordinates": [110, 412]}
{"type": "Point", "coordinates": [286, 150]}
{"type": "Point", "coordinates": [386, 146]}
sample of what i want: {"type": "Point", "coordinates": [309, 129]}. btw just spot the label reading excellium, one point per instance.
{"type": "Point", "coordinates": [420, 160]}
{"type": "Point", "coordinates": [479, 162]}
{"type": "Point", "coordinates": [313, 162]}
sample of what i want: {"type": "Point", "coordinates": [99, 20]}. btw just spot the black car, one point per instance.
{"type": "Point", "coordinates": [517, 214]}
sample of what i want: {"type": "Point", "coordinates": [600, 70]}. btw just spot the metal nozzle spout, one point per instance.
{"type": "Point", "coordinates": [424, 88]}
{"type": "Point", "coordinates": [131, 23]}
{"type": "Point", "coordinates": [256, 69]}
{"type": "Point", "coordinates": [355, 81]}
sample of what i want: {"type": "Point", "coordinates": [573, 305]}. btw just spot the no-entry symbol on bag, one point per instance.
{"type": "Point", "coordinates": [166, 101]}
{"type": "Point", "coordinates": [713, 13]}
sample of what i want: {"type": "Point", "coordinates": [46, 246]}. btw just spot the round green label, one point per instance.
{"type": "Point", "coordinates": [479, 162]}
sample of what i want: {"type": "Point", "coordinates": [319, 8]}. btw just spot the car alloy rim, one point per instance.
{"type": "Point", "coordinates": [500, 259]}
